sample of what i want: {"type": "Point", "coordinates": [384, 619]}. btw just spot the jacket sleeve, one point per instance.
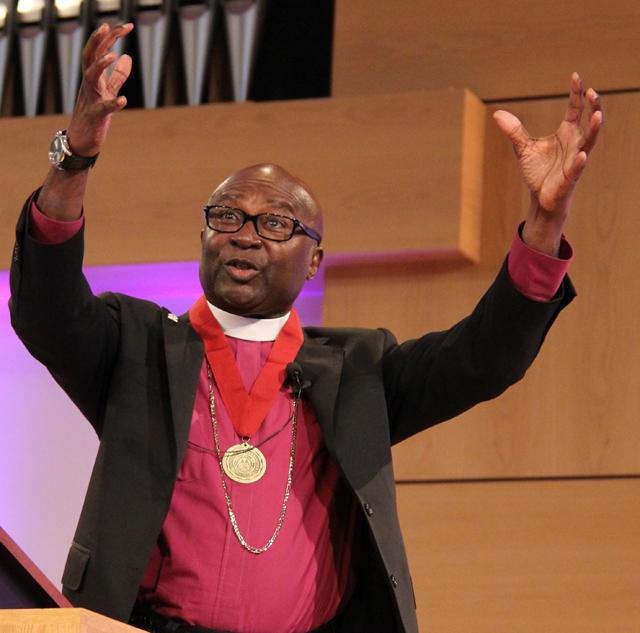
{"type": "Point", "coordinates": [440, 375]}
{"type": "Point", "coordinates": [72, 332]}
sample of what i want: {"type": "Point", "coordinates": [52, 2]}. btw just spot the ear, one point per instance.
{"type": "Point", "coordinates": [316, 260]}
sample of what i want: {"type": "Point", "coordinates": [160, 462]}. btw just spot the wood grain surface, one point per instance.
{"type": "Point", "coordinates": [59, 621]}
{"type": "Point", "coordinates": [375, 163]}
{"type": "Point", "coordinates": [503, 50]}
{"type": "Point", "coordinates": [524, 557]}
{"type": "Point", "coordinates": [577, 410]}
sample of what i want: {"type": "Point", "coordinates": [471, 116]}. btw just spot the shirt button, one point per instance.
{"type": "Point", "coordinates": [393, 580]}
{"type": "Point", "coordinates": [368, 509]}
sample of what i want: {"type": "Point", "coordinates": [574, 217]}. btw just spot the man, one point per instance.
{"type": "Point", "coordinates": [243, 481]}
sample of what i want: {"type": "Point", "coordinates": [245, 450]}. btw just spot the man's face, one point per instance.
{"type": "Point", "coordinates": [246, 274]}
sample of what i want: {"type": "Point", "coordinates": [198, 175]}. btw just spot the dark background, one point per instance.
{"type": "Point", "coordinates": [293, 59]}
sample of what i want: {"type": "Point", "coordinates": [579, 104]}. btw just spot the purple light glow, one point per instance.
{"type": "Point", "coordinates": [47, 448]}
{"type": "Point", "coordinates": [176, 286]}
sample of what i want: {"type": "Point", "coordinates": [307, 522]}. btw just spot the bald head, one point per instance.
{"type": "Point", "coordinates": [295, 194]}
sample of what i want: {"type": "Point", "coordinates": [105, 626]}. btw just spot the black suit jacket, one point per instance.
{"type": "Point", "coordinates": [133, 372]}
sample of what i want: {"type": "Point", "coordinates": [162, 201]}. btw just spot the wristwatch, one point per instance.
{"type": "Point", "coordinates": [60, 155]}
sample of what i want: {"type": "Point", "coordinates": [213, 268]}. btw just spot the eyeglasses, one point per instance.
{"type": "Point", "coordinates": [270, 226]}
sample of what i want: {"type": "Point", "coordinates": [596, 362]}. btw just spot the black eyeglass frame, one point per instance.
{"type": "Point", "coordinates": [308, 231]}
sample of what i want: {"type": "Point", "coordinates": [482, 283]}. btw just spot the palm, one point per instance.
{"type": "Point", "coordinates": [546, 164]}
{"type": "Point", "coordinates": [551, 165]}
{"type": "Point", "coordinates": [108, 83]}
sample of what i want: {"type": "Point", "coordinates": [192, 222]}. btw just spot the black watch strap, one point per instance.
{"type": "Point", "coordinates": [78, 162]}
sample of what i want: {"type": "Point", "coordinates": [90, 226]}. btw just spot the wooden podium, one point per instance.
{"type": "Point", "coordinates": [59, 621]}
{"type": "Point", "coordinates": [23, 585]}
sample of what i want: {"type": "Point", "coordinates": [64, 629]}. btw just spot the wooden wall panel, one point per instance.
{"type": "Point", "coordinates": [577, 410]}
{"type": "Point", "coordinates": [500, 50]}
{"type": "Point", "coordinates": [368, 159]}
{"type": "Point", "coordinates": [524, 557]}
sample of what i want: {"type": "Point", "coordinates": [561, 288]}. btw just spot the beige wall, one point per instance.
{"type": "Point", "coordinates": [524, 557]}
{"type": "Point", "coordinates": [499, 50]}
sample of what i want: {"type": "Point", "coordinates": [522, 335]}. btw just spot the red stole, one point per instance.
{"type": "Point", "coordinates": [247, 410]}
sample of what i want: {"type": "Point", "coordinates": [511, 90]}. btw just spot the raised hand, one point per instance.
{"type": "Point", "coordinates": [62, 193]}
{"type": "Point", "coordinates": [551, 165]}
{"type": "Point", "coordinates": [98, 97]}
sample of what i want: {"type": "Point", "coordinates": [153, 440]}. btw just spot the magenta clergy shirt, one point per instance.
{"type": "Point", "coordinates": [200, 573]}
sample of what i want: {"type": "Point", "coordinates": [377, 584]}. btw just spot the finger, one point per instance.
{"type": "Point", "coordinates": [594, 100]}
{"type": "Point", "coordinates": [576, 100]}
{"type": "Point", "coordinates": [104, 108]}
{"type": "Point", "coordinates": [595, 124]}
{"type": "Point", "coordinates": [579, 162]}
{"type": "Point", "coordinates": [89, 50]}
{"type": "Point", "coordinates": [94, 72]}
{"type": "Point", "coordinates": [116, 32]}
{"type": "Point", "coordinates": [114, 105]}
{"type": "Point", "coordinates": [120, 74]}
{"type": "Point", "coordinates": [512, 128]}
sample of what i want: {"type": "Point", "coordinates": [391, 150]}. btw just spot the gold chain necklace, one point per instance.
{"type": "Point", "coordinates": [287, 491]}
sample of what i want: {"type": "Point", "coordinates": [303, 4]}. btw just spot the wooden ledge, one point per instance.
{"type": "Point", "coordinates": [398, 175]}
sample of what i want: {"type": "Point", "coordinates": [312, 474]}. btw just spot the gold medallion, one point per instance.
{"type": "Point", "coordinates": [244, 463]}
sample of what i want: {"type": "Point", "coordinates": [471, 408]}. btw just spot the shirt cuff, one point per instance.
{"type": "Point", "coordinates": [49, 231]}
{"type": "Point", "coordinates": [537, 275]}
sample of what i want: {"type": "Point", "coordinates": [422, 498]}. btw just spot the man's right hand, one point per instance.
{"type": "Point", "coordinates": [62, 193]}
{"type": "Point", "coordinates": [98, 97]}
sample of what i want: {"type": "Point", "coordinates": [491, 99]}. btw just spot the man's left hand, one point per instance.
{"type": "Point", "coordinates": [551, 165]}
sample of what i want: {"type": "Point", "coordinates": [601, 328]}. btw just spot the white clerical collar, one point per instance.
{"type": "Point", "coordinates": [247, 328]}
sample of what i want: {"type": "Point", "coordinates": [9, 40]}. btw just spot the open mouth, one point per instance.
{"type": "Point", "coordinates": [241, 269]}
{"type": "Point", "coordinates": [242, 264]}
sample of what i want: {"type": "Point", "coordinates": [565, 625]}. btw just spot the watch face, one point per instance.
{"type": "Point", "coordinates": [60, 155]}
{"type": "Point", "coordinates": [56, 151]}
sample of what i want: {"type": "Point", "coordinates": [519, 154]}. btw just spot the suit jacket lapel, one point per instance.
{"type": "Point", "coordinates": [184, 353]}
{"type": "Point", "coordinates": [322, 367]}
